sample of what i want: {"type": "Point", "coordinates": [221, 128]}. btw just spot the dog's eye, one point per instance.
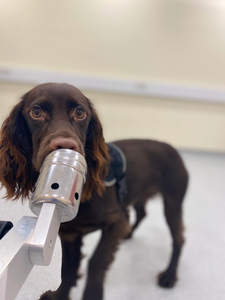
{"type": "Point", "coordinates": [80, 113]}
{"type": "Point", "coordinates": [36, 112]}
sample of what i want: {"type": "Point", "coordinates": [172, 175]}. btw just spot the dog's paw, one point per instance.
{"type": "Point", "coordinates": [49, 295]}
{"type": "Point", "coordinates": [167, 279]}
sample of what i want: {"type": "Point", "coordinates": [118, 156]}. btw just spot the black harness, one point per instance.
{"type": "Point", "coordinates": [117, 170]}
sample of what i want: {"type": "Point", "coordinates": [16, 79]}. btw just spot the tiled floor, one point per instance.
{"type": "Point", "coordinates": [133, 274]}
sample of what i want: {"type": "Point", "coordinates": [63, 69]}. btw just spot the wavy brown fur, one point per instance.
{"type": "Point", "coordinates": [97, 157]}
{"type": "Point", "coordinates": [15, 156]}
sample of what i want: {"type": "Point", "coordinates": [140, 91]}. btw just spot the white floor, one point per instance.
{"type": "Point", "coordinates": [133, 274]}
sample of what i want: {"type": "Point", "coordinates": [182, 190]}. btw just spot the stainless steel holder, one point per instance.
{"type": "Point", "coordinates": [55, 199]}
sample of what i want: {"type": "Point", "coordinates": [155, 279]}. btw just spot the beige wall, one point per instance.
{"type": "Point", "coordinates": [186, 125]}
{"type": "Point", "coordinates": [166, 40]}
{"type": "Point", "coordinates": [152, 40]}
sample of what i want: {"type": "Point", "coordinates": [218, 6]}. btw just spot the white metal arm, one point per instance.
{"type": "Point", "coordinates": [30, 242]}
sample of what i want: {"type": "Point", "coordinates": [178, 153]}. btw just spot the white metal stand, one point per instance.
{"type": "Point", "coordinates": [31, 241]}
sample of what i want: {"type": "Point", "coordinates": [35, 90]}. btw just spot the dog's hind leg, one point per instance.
{"type": "Point", "coordinates": [174, 185]}
{"type": "Point", "coordinates": [71, 256]}
{"type": "Point", "coordinates": [173, 213]}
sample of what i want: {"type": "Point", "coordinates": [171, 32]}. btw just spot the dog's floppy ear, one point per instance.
{"type": "Point", "coordinates": [97, 157]}
{"type": "Point", "coordinates": [16, 171]}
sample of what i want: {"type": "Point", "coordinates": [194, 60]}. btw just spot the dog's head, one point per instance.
{"type": "Point", "coordinates": [49, 117]}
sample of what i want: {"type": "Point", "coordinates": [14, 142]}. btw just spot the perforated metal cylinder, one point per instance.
{"type": "Point", "coordinates": [61, 181]}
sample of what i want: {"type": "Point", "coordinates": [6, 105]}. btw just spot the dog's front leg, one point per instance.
{"type": "Point", "coordinates": [102, 257]}
{"type": "Point", "coordinates": [71, 256]}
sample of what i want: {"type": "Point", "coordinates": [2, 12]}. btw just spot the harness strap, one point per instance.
{"type": "Point", "coordinates": [117, 169]}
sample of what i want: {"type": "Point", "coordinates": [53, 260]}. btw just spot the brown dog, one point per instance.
{"type": "Point", "coordinates": [53, 116]}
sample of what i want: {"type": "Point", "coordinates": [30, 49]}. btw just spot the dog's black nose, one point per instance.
{"type": "Point", "coordinates": [64, 143]}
